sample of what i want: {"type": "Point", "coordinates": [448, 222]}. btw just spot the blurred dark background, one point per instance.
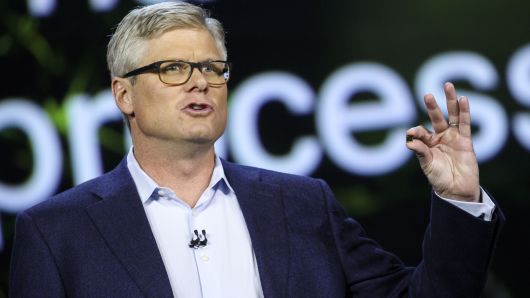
{"type": "Point", "coordinates": [53, 51]}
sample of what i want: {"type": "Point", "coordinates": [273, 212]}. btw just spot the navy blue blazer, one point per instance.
{"type": "Point", "coordinates": [94, 240]}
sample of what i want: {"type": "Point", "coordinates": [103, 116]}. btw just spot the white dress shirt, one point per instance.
{"type": "Point", "coordinates": [482, 209]}
{"type": "Point", "coordinates": [226, 266]}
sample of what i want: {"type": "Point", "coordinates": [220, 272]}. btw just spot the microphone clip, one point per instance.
{"type": "Point", "coordinates": [199, 240]}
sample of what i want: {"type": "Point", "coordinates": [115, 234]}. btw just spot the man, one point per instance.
{"type": "Point", "coordinates": [172, 219]}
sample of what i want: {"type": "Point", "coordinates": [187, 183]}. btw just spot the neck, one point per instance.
{"type": "Point", "coordinates": [184, 168]}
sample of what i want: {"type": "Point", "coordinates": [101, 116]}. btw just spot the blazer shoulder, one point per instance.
{"type": "Point", "coordinates": [296, 189]}
{"type": "Point", "coordinates": [68, 201]}
{"type": "Point", "coordinates": [80, 196]}
{"type": "Point", "coordinates": [270, 176]}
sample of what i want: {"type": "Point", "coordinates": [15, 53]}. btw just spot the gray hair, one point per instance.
{"type": "Point", "coordinates": [127, 44]}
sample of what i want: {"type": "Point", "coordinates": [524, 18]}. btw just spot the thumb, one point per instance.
{"type": "Point", "coordinates": [422, 151]}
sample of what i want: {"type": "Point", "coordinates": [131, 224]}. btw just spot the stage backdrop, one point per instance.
{"type": "Point", "coordinates": [319, 88]}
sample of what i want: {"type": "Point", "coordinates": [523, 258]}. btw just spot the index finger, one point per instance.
{"type": "Point", "coordinates": [435, 113]}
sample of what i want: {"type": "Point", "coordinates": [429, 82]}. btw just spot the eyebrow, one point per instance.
{"type": "Point", "coordinates": [185, 60]}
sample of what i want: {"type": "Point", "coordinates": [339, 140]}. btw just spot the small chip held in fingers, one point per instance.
{"type": "Point", "coordinates": [409, 138]}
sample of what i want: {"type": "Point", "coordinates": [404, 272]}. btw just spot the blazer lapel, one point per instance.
{"type": "Point", "coordinates": [262, 207]}
{"type": "Point", "coordinates": [121, 220]}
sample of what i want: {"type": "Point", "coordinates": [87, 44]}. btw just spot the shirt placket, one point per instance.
{"type": "Point", "coordinates": [204, 256]}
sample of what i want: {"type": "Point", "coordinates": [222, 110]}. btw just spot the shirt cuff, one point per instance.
{"type": "Point", "coordinates": [482, 210]}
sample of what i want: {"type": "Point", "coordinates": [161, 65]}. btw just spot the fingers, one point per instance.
{"type": "Point", "coordinates": [435, 113]}
{"type": "Point", "coordinates": [457, 110]}
{"type": "Point", "coordinates": [464, 120]}
{"type": "Point", "coordinates": [453, 109]}
{"type": "Point", "coordinates": [418, 140]}
{"type": "Point", "coordinates": [420, 133]}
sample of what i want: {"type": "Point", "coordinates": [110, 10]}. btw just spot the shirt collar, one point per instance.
{"type": "Point", "coordinates": [145, 185]}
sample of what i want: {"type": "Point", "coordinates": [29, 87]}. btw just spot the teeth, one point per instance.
{"type": "Point", "coordinates": [197, 106]}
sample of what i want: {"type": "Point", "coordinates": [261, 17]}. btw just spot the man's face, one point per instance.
{"type": "Point", "coordinates": [192, 112]}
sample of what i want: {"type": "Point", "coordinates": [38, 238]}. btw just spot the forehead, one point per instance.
{"type": "Point", "coordinates": [182, 44]}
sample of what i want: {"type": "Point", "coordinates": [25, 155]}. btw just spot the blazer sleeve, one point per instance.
{"type": "Point", "coordinates": [457, 250]}
{"type": "Point", "coordinates": [33, 271]}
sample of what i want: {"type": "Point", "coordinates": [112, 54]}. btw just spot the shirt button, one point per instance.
{"type": "Point", "coordinates": [194, 212]}
{"type": "Point", "coordinates": [161, 193]}
{"type": "Point", "coordinates": [205, 258]}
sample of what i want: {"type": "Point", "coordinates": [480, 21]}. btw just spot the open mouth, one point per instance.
{"type": "Point", "coordinates": [198, 106]}
{"type": "Point", "coordinates": [198, 109]}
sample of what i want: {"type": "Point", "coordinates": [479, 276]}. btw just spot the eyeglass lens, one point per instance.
{"type": "Point", "coordinates": [178, 72]}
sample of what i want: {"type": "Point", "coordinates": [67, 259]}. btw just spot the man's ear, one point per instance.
{"type": "Point", "coordinates": [121, 89]}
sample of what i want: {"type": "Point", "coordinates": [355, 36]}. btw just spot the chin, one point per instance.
{"type": "Point", "coordinates": [202, 141]}
{"type": "Point", "coordinates": [203, 135]}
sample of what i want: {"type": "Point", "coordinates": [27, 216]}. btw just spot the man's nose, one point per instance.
{"type": "Point", "coordinates": [198, 79]}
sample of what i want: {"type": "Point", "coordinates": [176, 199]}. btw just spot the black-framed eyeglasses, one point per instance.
{"type": "Point", "coordinates": [176, 72]}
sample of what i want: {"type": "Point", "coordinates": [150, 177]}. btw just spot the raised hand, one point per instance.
{"type": "Point", "coordinates": [446, 155]}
